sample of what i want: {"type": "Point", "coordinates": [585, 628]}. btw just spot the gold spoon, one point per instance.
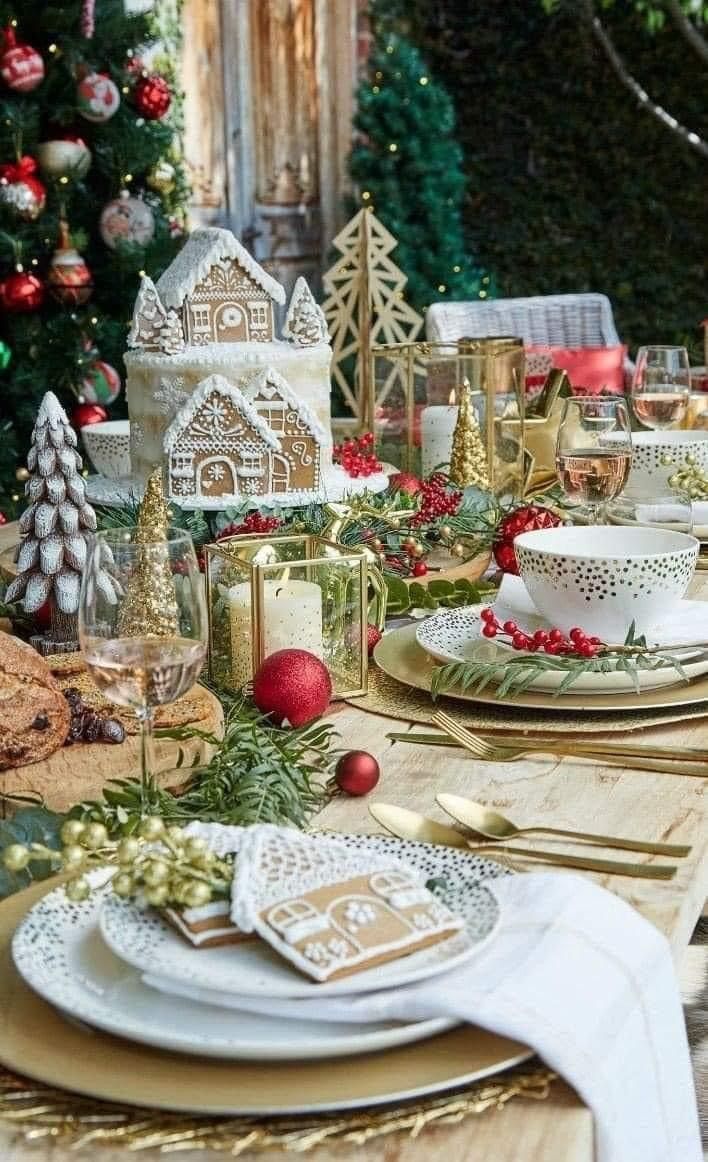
{"type": "Point", "coordinates": [491, 825]}
{"type": "Point", "coordinates": [408, 824]}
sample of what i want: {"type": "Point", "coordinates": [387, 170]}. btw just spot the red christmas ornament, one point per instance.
{"type": "Point", "coordinates": [373, 637]}
{"type": "Point", "coordinates": [405, 482]}
{"type": "Point", "coordinates": [292, 686]}
{"type": "Point", "coordinates": [357, 772]}
{"type": "Point", "coordinates": [21, 66]}
{"type": "Point", "coordinates": [21, 292]}
{"type": "Point", "coordinates": [420, 569]}
{"type": "Point", "coordinates": [21, 189]}
{"type": "Point", "coordinates": [68, 278]}
{"type": "Point", "coordinates": [152, 97]}
{"type": "Point", "coordinates": [522, 520]}
{"type": "Point", "coordinates": [88, 413]}
{"type": "Point", "coordinates": [3, 518]}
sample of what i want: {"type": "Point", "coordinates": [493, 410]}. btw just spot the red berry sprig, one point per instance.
{"type": "Point", "coordinates": [357, 456]}
{"type": "Point", "coordinates": [552, 641]}
{"type": "Point", "coordinates": [255, 522]}
{"type": "Point", "coordinates": [436, 500]}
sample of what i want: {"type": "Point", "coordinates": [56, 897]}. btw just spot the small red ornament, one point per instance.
{"type": "Point", "coordinates": [521, 520]}
{"type": "Point", "coordinates": [3, 518]}
{"type": "Point", "coordinates": [21, 292]}
{"type": "Point", "coordinates": [21, 189]}
{"type": "Point", "coordinates": [357, 456]}
{"type": "Point", "coordinates": [293, 687]}
{"type": "Point", "coordinates": [420, 569]}
{"type": "Point", "coordinates": [357, 772]}
{"type": "Point", "coordinates": [21, 66]}
{"type": "Point", "coordinates": [405, 482]}
{"type": "Point", "coordinates": [373, 637]}
{"type": "Point", "coordinates": [152, 97]}
{"type": "Point", "coordinates": [68, 278]}
{"type": "Point", "coordinates": [88, 413]}
{"type": "Point", "coordinates": [97, 97]}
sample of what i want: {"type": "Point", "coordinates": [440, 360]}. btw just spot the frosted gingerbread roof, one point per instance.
{"type": "Point", "coordinates": [268, 383]}
{"type": "Point", "coordinates": [202, 250]}
{"type": "Point", "coordinates": [218, 386]}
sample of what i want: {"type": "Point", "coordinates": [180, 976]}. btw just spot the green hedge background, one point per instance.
{"type": "Point", "coordinates": [571, 186]}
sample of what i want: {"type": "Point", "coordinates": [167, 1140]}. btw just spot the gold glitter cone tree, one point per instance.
{"type": "Point", "coordinates": [468, 459]}
{"type": "Point", "coordinates": [150, 607]}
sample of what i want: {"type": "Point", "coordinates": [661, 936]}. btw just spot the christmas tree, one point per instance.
{"type": "Point", "coordinates": [408, 167]}
{"type": "Point", "coordinates": [92, 194]}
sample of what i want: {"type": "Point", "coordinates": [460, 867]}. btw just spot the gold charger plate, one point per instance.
{"type": "Point", "coordinates": [399, 655]}
{"type": "Point", "coordinates": [38, 1042]}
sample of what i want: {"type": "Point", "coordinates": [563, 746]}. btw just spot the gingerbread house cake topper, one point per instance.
{"type": "Point", "coordinates": [223, 447]}
{"type": "Point", "coordinates": [219, 291]}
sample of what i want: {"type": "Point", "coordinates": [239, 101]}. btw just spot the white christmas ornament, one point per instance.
{"type": "Point", "coordinates": [305, 323]}
{"type": "Point", "coordinates": [126, 220]}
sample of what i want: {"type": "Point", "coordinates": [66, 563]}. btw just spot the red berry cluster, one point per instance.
{"type": "Point", "coordinates": [357, 456]}
{"type": "Point", "coordinates": [436, 500]}
{"type": "Point", "coordinates": [551, 641]}
{"type": "Point", "coordinates": [255, 522]}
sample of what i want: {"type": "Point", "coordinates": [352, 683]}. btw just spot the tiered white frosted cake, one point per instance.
{"type": "Point", "coordinates": [234, 414]}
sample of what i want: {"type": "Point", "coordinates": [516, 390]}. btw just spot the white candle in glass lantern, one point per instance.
{"type": "Point", "coordinates": [437, 427]}
{"type": "Point", "coordinates": [292, 618]}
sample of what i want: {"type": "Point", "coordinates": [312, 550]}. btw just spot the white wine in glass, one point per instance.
{"type": "Point", "coordinates": [661, 386]}
{"type": "Point", "coordinates": [143, 634]}
{"type": "Point", "coordinates": [594, 451]}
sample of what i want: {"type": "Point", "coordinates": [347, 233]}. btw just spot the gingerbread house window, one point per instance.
{"type": "Point", "coordinates": [274, 417]}
{"type": "Point", "coordinates": [285, 915]}
{"type": "Point", "coordinates": [182, 464]}
{"type": "Point", "coordinates": [251, 462]}
{"type": "Point", "coordinates": [258, 313]}
{"type": "Point", "coordinates": [201, 318]}
{"type": "Point", "coordinates": [386, 883]}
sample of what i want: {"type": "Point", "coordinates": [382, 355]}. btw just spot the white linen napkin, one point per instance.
{"type": "Point", "coordinates": [683, 624]}
{"type": "Point", "coordinates": [580, 977]}
{"type": "Point", "coordinates": [665, 511]}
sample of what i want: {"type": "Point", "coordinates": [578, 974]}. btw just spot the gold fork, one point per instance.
{"type": "Point", "coordinates": [502, 753]}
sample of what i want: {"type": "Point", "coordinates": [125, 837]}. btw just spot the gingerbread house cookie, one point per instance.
{"type": "Point", "coordinates": [330, 909]}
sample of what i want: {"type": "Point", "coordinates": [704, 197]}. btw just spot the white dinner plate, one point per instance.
{"type": "Point", "coordinates": [59, 951]}
{"type": "Point", "coordinates": [252, 969]}
{"type": "Point", "coordinates": [455, 635]}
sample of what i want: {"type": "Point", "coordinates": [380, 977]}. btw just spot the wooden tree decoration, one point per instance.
{"type": "Point", "coordinates": [52, 553]}
{"type": "Point", "coordinates": [365, 306]}
{"type": "Point", "coordinates": [305, 323]}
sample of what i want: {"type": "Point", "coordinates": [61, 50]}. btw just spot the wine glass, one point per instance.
{"type": "Point", "coordinates": [594, 451]}
{"type": "Point", "coordinates": [142, 623]}
{"type": "Point", "coordinates": [661, 386]}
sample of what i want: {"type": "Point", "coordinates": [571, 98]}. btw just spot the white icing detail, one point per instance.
{"type": "Point", "coordinates": [218, 386]}
{"type": "Point", "coordinates": [317, 953]}
{"type": "Point", "coordinates": [305, 322]}
{"type": "Point", "coordinates": [409, 899]}
{"type": "Point", "coordinates": [387, 883]}
{"type": "Point", "coordinates": [270, 383]}
{"type": "Point", "coordinates": [223, 356]}
{"type": "Point", "coordinates": [309, 926]}
{"type": "Point", "coordinates": [359, 912]}
{"type": "Point", "coordinates": [423, 921]}
{"type": "Point", "coordinates": [203, 249]}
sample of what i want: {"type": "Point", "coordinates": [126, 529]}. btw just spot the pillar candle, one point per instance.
{"type": "Point", "coordinates": [437, 426]}
{"type": "Point", "coordinates": [292, 620]}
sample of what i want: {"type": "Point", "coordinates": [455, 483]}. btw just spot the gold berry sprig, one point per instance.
{"type": "Point", "coordinates": [160, 864]}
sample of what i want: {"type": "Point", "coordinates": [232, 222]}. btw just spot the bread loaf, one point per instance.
{"type": "Point", "coordinates": [34, 714]}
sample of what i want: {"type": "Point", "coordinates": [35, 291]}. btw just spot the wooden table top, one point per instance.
{"type": "Point", "coordinates": [563, 793]}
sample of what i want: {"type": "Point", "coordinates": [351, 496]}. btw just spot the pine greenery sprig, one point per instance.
{"type": "Point", "coordinates": [515, 673]}
{"type": "Point", "coordinates": [258, 774]}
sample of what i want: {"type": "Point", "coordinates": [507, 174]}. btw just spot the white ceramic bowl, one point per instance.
{"type": "Point", "coordinates": [602, 578]}
{"type": "Point", "coordinates": [108, 447]}
{"type": "Point", "coordinates": [649, 474]}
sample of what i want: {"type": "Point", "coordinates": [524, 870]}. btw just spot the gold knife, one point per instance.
{"type": "Point", "coordinates": [406, 824]}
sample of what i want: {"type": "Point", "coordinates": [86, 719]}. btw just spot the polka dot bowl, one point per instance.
{"type": "Point", "coordinates": [108, 447]}
{"type": "Point", "coordinates": [658, 455]}
{"type": "Point", "coordinates": [604, 578]}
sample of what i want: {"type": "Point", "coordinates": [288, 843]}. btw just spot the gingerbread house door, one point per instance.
{"type": "Point", "coordinates": [279, 473]}
{"type": "Point", "coordinates": [217, 477]}
{"type": "Point", "coordinates": [230, 324]}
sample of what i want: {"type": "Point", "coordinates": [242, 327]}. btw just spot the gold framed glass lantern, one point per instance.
{"type": "Point", "coordinates": [415, 396]}
{"type": "Point", "coordinates": [290, 591]}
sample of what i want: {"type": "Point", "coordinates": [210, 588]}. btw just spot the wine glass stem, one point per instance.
{"type": "Point", "coordinates": [147, 753]}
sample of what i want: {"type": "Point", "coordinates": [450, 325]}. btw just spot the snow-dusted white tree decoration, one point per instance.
{"type": "Point", "coordinates": [305, 323]}
{"type": "Point", "coordinates": [171, 337]}
{"type": "Point", "coordinates": [54, 529]}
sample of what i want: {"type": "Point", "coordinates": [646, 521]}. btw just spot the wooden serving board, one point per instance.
{"type": "Point", "coordinates": [80, 771]}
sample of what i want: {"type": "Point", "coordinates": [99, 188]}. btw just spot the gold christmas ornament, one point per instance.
{"type": "Point", "coordinates": [468, 459]}
{"type": "Point", "coordinates": [22, 474]}
{"type": "Point", "coordinates": [150, 606]}
{"type": "Point", "coordinates": [161, 178]}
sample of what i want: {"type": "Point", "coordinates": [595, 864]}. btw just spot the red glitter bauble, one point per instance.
{"type": "Point", "coordinates": [523, 520]}
{"type": "Point", "coordinates": [21, 66]}
{"type": "Point", "coordinates": [373, 637]}
{"type": "Point", "coordinates": [357, 772]}
{"type": "Point", "coordinates": [293, 687]}
{"type": "Point", "coordinates": [88, 413]}
{"type": "Point", "coordinates": [405, 482]}
{"type": "Point", "coordinates": [21, 292]}
{"type": "Point", "coordinates": [152, 97]}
